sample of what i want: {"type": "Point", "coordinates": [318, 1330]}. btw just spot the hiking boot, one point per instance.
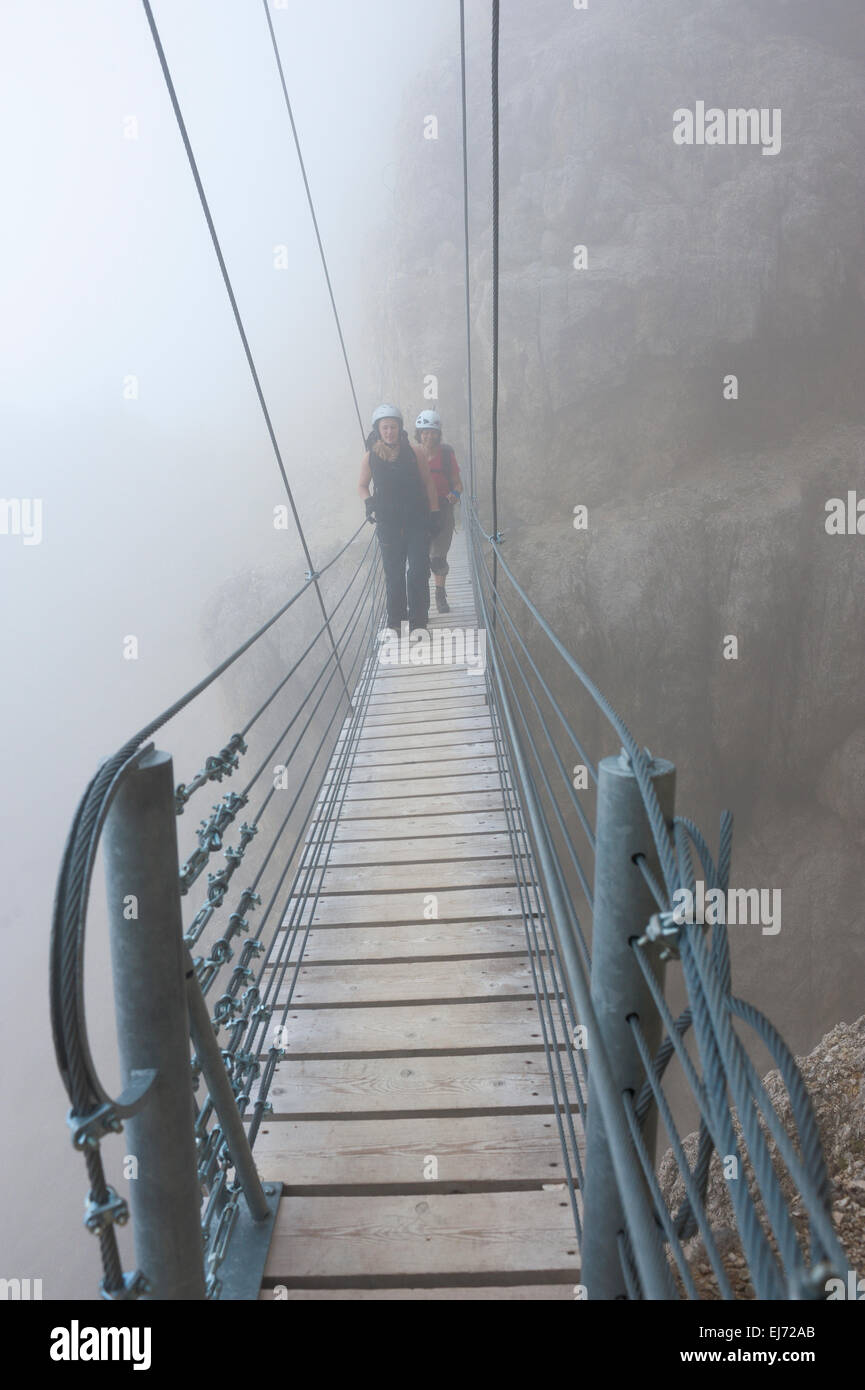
{"type": "Point", "coordinates": [442, 605]}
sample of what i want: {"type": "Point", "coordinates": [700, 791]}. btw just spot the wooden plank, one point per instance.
{"type": "Point", "coordinates": [442, 1233]}
{"type": "Point", "coordinates": [454, 904]}
{"type": "Point", "coordinates": [436, 874]}
{"type": "Point", "coordinates": [499, 1293]}
{"type": "Point", "coordinates": [384, 828]}
{"type": "Point", "coordinates": [445, 767]}
{"type": "Point", "coordinates": [426, 786]}
{"type": "Point", "coordinates": [406, 742]}
{"type": "Point", "coordinates": [420, 851]}
{"type": "Point", "coordinates": [406, 941]}
{"type": "Point", "coordinates": [417, 711]}
{"type": "Point", "coordinates": [397, 680]}
{"type": "Point", "coordinates": [450, 725]}
{"type": "Point", "coordinates": [370, 1085]}
{"type": "Point", "coordinates": [430, 804]}
{"type": "Point", "coordinates": [435, 754]}
{"type": "Point", "coordinates": [500, 1024]}
{"type": "Point", "coordinates": [409, 699]}
{"type": "Point", "coordinates": [378, 983]}
{"type": "Point", "coordinates": [371, 1153]}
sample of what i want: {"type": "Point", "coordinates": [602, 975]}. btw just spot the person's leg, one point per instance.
{"type": "Point", "coordinates": [418, 576]}
{"type": "Point", "coordinates": [393, 555]}
{"type": "Point", "coordinates": [439, 547]}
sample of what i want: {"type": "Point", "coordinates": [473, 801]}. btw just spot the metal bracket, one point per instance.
{"type": "Point", "coordinates": [98, 1216]}
{"type": "Point", "coordinates": [87, 1130]}
{"type": "Point", "coordinates": [246, 1251]}
{"type": "Point", "coordinates": [663, 929]}
{"type": "Point", "coordinates": [134, 1286]}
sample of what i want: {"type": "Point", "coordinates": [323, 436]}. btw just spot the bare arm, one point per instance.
{"type": "Point", "coordinates": [456, 480]}
{"type": "Point", "coordinates": [426, 478]}
{"type": "Point", "coordinates": [365, 477]}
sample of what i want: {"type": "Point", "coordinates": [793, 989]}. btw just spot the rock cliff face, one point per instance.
{"type": "Point", "coordinates": [706, 506]}
{"type": "Point", "coordinates": [834, 1075]}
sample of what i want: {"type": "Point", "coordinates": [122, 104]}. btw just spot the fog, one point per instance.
{"type": "Point", "coordinates": [129, 410]}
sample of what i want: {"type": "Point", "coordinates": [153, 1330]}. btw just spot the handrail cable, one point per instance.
{"type": "Point", "coordinates": [272, 696]}
{"type": "Point", "coordinates": [639, 761]}
{"type": "Point", "coordinates": [339, 778]}
{"type": "Point", "coordinates": [209, 907]}
{"type": "Point", "coordinates": [575, 804]}
{"type": "Point", "coordinates": [529, 887]}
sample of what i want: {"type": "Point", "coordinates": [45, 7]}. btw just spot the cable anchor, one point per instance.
{"type": "Point", "coordinates": [663, 929]}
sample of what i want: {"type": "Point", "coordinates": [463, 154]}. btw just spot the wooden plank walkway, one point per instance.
{"type": "Point", "coordinates": [413, 1120]}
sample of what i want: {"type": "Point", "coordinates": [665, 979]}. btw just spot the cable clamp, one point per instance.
{"type": "Point", "coordinates": [87, 1130]}
{"type": "Point", "coordinates": [663, 928]}
{"type": "Point", "coordinates": [313, 574]}
{"type": "Point", "coordinates": [98, 1216]}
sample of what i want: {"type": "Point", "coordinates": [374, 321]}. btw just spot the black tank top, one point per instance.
{"type": "Point", "coordinates": [400, 495]}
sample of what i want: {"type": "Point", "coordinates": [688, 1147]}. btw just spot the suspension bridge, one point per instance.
{"type": "Point", "coordinates": [416, 1117]}
{"type": "Point", "coordinates": [437, 1065]}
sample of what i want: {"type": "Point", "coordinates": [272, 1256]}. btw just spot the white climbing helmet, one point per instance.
{"type": "Point", "coordinates": [386, 412]}
{"type": "Point", "coordinates": [428, 420]}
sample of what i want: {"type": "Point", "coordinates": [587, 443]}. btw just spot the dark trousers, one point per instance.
{"type": "Point", "coordinates": [405, 543]}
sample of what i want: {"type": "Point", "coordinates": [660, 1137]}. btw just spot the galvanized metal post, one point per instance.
{"type": "Point", "coordinates": [141, 868]}
{"type": "Point", "coordinates": [623, 905]}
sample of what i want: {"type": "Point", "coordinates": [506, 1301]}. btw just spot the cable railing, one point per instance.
{"type": "Point", "coordinates": [228, 988]}
{"type": "Point", "coordinates": [634, 872]}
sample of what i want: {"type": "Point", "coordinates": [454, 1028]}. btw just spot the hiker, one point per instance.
{"type": "Point", "coordinates": [405, 509]}
{"type": "Point", "coordinates": [446, 475]}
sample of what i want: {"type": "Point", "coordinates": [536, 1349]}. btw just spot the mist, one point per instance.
{"type": "Point", "coordinates": [129, 410]}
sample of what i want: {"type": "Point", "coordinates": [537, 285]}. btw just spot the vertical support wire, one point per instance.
{"type": "Point", "coordinates": [181, 124]}
{"type": "Point", "coordinates": [471, 418]}
{"type": "Point", "coordinates": [494, 457]}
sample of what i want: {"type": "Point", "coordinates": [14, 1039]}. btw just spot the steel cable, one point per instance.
{"type": "Point", "coordinates": [181, 125]}
{"type": "Point", "coordinates": [300, 160]}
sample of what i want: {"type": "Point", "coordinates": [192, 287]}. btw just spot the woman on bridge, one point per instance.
{"type": "Point", "coordinates": [445, 472]}
{"type": "Point", "coordinates": [405, 508]}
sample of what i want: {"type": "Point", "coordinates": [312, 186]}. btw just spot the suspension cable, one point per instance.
{"type": "Point", "coordinates": [495, 288]}
{"type": "Point", "coordinates": [471, 418]}
{"type": "Point", "coordinates": [312, 214]}
{"type": "Point", "coordinates": [160, 53]}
